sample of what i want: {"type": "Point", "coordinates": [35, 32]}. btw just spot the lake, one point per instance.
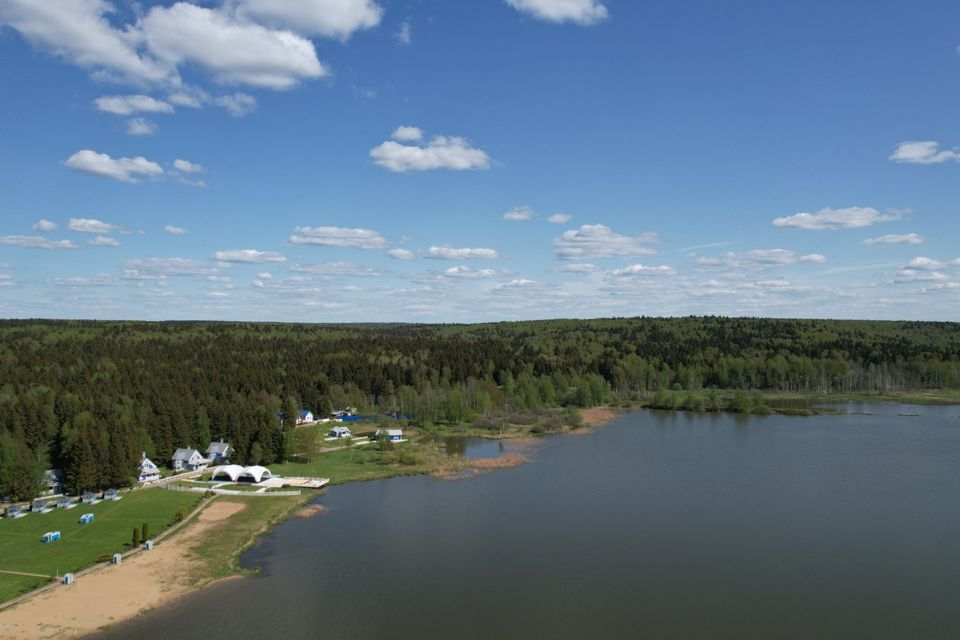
{"type": "Point", "coordinates": [659, 525]}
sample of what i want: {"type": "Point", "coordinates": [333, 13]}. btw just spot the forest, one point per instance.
{"type": "Point", "coordinates": [89, 397]}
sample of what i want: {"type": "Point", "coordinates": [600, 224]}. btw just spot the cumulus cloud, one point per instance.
{"type": "Point", "coordinates": [237, 104]}
{"type": "Point", "coordinates": [341, 269]}
{"type": "Point", "coordinates": [140, 127]}
{"type": "Point", "coordinates": [338, 237]}
{"type": "Point", "coordinates": [758, 259]}
{"type": "Point", "coordinates": [234, 51]}
{"type": "Point", "coordinates": [445, 252]}
{"type": "Point", "coordinates": [104, 241]}
{"type": "Point", "coordinates": [892, 238]}
{"type": "Point", "coordinates": [401, 254]}
{"type": "Point", "coordinates": [560, 218]}
{"type": "Point", "coordinates": [407, 134]}
{"type": "Point", "coordinates": [639, 270]}
{"type": "Point", "coordinates": [79, 32]}
{"type": "Point", "coordinates": [175, 231]}
{"type": "Point", "coordinates": [850, 218]}
{"type": "Point", "coordinates": [160, 268]}
{"type": "Point", "coordinates": [249, 256]}
{"type": "Point", "coordinates": [92, 225]}
{"type": "Point", "coordinates": [923, 262]}
{"type": "Point", "coordinates": [128, 105]}
{"type": "Point", "coordinates": [578, 267]}
{"type": "Point", "coordinates": [926, 152]}
{"type": "Point", "coordinates": [463, 271]}
{"type": "Point", "coordinates": [36, 242]}
{"type": "Point", "coordinates": [185, 166]}
{"type": "Point", "coordinates": [129, 170]}
{"type": "Point", "coordinates": [404, 34]}
{"type": "Point", "coordinates": [329, 18]}
{"type": "Point", "coordinates": [441, 152]}
{"type": "Point", "coordinates": [519, 213]}
{"type": "Point", "coordinates": [583, 12]}
{"type": "Point", "coordinates": [592, 241]}
{"type": "Point", "coordinates": [44, 225]}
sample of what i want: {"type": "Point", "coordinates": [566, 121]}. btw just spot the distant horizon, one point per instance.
{"type": "Point", "coordinates": [478, 161]}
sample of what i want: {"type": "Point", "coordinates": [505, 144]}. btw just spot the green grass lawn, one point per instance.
{"type": "Point", "coordinates": [358, 464]}
{"type": "Point", "coordinates": [21, 548]}
{"type": "Point", "coordinates": [12, 586]}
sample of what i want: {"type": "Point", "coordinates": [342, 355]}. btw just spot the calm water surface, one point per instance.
{"type": "Point", "coordinates": [660, 525]}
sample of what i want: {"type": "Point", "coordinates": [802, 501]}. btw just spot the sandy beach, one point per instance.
{"type": "Point", "coordinates": [116, 593]}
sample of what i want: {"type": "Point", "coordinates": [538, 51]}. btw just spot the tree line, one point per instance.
{"type": "Point", "coordinates": [90, 397]}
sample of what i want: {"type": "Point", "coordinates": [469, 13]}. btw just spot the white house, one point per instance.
{"type": "Point", "coordinates": [218, 452]}
{"type": "Point", "coordinates": [391, 435]}
{"type": "Point", "coordinates": [148, 470]}
{"type": "Point", "coordinates": [340, 432]}
{"type": "Point", "coordinates": [305, 416]}
{"type": "Point", "coordinates": [188, 460]}
{"type": "Point", "coordinates": [52, 482]}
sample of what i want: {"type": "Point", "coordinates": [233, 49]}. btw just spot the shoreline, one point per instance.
{"type": "Point", "coordinates": [147, 581]}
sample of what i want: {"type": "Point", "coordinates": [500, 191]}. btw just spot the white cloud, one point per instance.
{"type": "Point", "coordinates": [578, 267]}
{"type": "Point", "coordinates": [584, 12]}
{"type": "Point", "coordinates": [449, 253]}
{"type": "Point", "coordinates": [401, 254]}
{"type": "Point", "coordinates": [237, 104]}
{"type": "Point", "coordinates": [92, 225]}
{"type": "Point", "coordinates": [560, 218]}
{"type": "Point", "coordinates": [185, 166]}
{"type": "Point", "coordinates": [44, 225]}
{"type": "Point", "coordinates": [218, 294]}
{"type": "Point", "coordinates": [519, 213]}
{"type": "Point", "coordinates": [442, 152]}
{"type": "Point", "coordinates": [758, 259]}
{"type": "Point", "coordinates": [249, 255]}
{"type": "Point", "coordinates": [79, 32]}
{"type": "Point", "coordinates": [104, 241]}
{"type": "Point", "coordinates": [463, 271]}
{"type": "Point", "coordinates": [407, 134]}
{"type": "Point", "coordinates": [926, 152]}
{"type": "Point", "coordinates": [906, 275]}
{"type": "Point", "coordinates": [187, 96]}
{"type": "Point", "coordinates": [36, 242]}
{"type": "Point", "coordinates": [122, 169]}
{"type": "Point", "coordinates": [159, 268]}
{"type": "Point", "coordinates": [892, 238]}
{"type": "Point", "coordinates": [925, 263]}
{"type": "Point", "coordinates": [342, 269]}
{"type": "Point", "coordinates": [140, 127]}
{"type": "Point", "coordinates": [593, 241]}
{"type": "Point", "coordinates": [639, 270]}
{"type": "Point", "coordinates": [329, 18]}
{"type": "Point", "coordinates": [128, 105]}
{"type": "Point", "coordinates": [234, 51]}
{"type": "Point", "coordinates": [338, 237]}
{"type": "Point", "coordinates": [265, 275]}
{"type": "Point", "coordinates": [850, 218]}
{"type": "Point", "coordinates": [176, 231]}
{"type": "Point", "coordinates": [404, 34]}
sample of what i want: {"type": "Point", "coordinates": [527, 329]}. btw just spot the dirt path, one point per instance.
{"type": "Point", "coordinates": [149, 579]}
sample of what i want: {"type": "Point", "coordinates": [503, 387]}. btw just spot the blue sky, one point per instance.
{"type": "Point", "coordinates": [375, 160]}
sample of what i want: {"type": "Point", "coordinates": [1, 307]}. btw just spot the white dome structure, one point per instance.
{"type": "Point", "coordinates": [256, 473]}
{"type": "Point", "coordinates": [236, 473]}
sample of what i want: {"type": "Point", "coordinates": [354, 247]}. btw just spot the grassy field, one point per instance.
{"type": "Point", "coordinates": [82, 545]}
{"type": "Point", "coordinates": [358, 464]}
{"type": "Point", "coordinates": [12, 586]}
{"type": "Point", "coordinates": [216, 556]}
